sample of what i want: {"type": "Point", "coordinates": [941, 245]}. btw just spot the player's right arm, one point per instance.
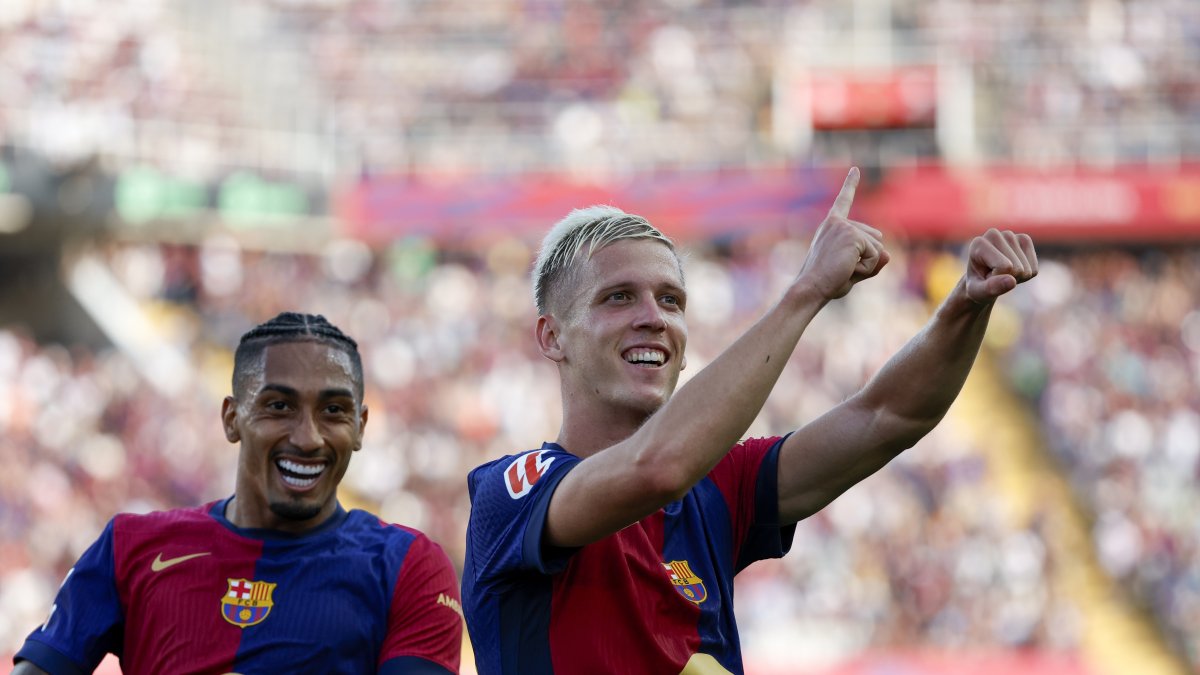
{"type": "Point", "coordinates": [86, 620]}
{"type": "Point", "coordinates": [680, 443]}
{"type": "Point", "coordinates": [27, 668]}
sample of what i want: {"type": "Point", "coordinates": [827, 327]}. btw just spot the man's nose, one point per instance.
{"type": "Point", "coordinates": [305, 433]}
{"type": "Point", "coordinates": [649, 315]}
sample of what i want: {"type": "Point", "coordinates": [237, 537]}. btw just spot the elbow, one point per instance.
{"type": "Point", "coordinates": [897, 431]}
{"type": "Point", "coordinates": [668, 485]}
{"type": "Point", "coordinates": [911, 430]}
{"type": "Point", "coordinates": [664, 478]}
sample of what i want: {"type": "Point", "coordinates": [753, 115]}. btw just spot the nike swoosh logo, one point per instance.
{"type": "Point", "coordinates": [159, 564]}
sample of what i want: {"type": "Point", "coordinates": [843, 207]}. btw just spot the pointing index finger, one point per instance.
{"type": "Point", "coordinates": [845, 198]}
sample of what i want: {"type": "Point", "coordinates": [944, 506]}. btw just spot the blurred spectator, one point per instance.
{"type": "Point", "coordinates": [1110, 357]}
{"type": "Point", "coordinates": [336, 89]}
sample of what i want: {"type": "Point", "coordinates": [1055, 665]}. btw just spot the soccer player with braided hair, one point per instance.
{"type": "Point", "coordinates": [277, 577]}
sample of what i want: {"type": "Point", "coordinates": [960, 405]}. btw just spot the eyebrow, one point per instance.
{"type": "Point", "coordinates": [324, 394]}
{"type": "Point", "coordinates": [676, 289]}
{"type": "Point", "coordinates": [669, 287]}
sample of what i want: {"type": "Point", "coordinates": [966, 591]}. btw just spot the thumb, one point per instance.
{"type": "Point", "coordinates": [986, 290]}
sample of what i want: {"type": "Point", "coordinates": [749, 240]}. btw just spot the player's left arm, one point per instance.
{"type": "Point", "coordinates": [911, 393]}
{"type": "Point", "coordinates": [425, 626]}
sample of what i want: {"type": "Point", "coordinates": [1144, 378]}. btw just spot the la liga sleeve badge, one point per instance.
{"type": "Point", "coordinates": [525, 471]}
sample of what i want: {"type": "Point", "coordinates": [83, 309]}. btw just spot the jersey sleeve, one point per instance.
{"type": "Point", "coordinates": [509, 500]}
{"type": "Point", "coordinates": [748, 478]}
{"type": "Point", "coordinates": [86, 621]}
{"type": "Point", "coordinates": [425, 619]}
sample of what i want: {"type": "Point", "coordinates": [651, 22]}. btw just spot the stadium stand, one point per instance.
{"type": "Point", "coordinates": [1109, 360]}
{"type": "Point", "coordinates": [241, 142]}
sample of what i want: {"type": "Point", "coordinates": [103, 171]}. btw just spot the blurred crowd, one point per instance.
{"type": "Point", "coordinates": [922, 554]}
{"type": "Point", "coordinates": [1110, 356]}
{"type": "Point", "coordinates": [336, 89]}
{"type": "Point", "coordinates": [117, 81]}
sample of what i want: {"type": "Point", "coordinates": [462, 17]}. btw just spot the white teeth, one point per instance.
{"type": "Point", "coordinates": [645, 356]}
{"type": "Point", "coordinates": [299, 475]}
{"type": "Point", "coordinates": [298, 482]}
{"type": "Point", "coordinates": [303, 469]}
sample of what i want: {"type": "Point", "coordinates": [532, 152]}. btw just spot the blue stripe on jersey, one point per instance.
{"type": "Point", "coordinates": [766, 538]}
{"type": "Point", "coordinates": [681, 534]}
{"type": "Point", "coordinates": [525, 620]}
{"type": "Point", "coordinates": [519, 618]}
{"type": "Point", "coordinates": [347, 627]}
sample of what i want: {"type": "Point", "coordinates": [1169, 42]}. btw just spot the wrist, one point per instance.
{"type": "Point", "coordinates": [802, 296]}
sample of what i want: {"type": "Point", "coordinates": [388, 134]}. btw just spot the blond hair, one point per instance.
{"type": "Point", "coordinates": [592, 228]}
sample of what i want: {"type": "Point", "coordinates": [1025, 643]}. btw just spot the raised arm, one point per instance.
{"type": "Point", "coordinates": [681, 442]}
{"type": "Point", "coordinates": [913, 391]}
{"type": "Point", "coordinates": [27, 668]}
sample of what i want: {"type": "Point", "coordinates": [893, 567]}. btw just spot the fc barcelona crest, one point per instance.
{"type": "Point", "coordinates": [247, 602]}
{"type": "Point", "coordinates": [685, 581]}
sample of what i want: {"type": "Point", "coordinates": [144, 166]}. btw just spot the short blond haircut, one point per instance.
{"type": "Point", "coordinates": [592, 229]}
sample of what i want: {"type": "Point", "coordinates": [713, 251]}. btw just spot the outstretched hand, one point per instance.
{"type": "Point", "coordinates": [843, 251]}
{"type": "Point", "coordinates": [998, 261]}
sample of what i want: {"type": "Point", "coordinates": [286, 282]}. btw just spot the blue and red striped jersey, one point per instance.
{"type": "Point", "coordinates": [186, 591]}
{"type": "Point", "coordinates": [655, 597]}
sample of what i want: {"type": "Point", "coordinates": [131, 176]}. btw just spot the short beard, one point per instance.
{"type": "Point", "coordinates": [295, 510]}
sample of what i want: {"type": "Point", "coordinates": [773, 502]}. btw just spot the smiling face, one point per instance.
{"type": "Point", "coordinates": [620, 330]}
{"type": "Point", "coordinates": [298, 420]}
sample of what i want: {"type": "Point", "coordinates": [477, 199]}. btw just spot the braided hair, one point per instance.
{"type": "Point", "coordinates": [293, 327]}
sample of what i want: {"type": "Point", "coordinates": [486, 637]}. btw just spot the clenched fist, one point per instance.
{"type": "Point", "coordinates": [996, 262]}
{"type": "Point", "coordinates": [843, 251]}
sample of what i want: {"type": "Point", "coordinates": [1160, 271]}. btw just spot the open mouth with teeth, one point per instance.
{"type": "Point", "coordinates": [646, 358]}
{"type": "Point", "coordinates": [299, 475]}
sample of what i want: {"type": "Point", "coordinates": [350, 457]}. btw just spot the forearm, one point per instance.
{"type": "Point", "coordinates": [902, 403]}
{"type": "Point", "coordinates": [917, 386]}
{"type": "Point", "coordinates": [707, 416]}
{"type": "Point", "coordinates": [911, 393]}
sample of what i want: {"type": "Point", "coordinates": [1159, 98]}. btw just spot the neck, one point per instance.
{"type": "Point", "coordinates": [241, 513]}
{"type": "Point", "coordinates": [590, 426]}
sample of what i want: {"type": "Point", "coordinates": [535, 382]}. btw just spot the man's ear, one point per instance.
{"type": "Point", "coordinates": [362, 427]}
{"type": "Point", "coordinates": [229, 419]}
{"type": "Point", "coordinates": [549, 337]}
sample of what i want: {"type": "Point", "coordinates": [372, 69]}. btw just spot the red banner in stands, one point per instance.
{"type": "Point", "coordinates": [864, 99]}
{"type": "Point", "coordinates": [1130, 204]}
{"type": "Point", "coordinates": [685, 205]}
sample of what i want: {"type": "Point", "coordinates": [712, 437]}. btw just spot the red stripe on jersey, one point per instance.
{"type": "Point", "coordinates": [617, 603]}
{"type": "Point", "coordinates": [176, 597]}
{"type": "Point", "coordinates": [736, 477]}
{"type": "Point", "coordinates": [425, 617]}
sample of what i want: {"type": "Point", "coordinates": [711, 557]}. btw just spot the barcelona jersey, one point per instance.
{"type": "Point", "coordinates": [186, 591]}
{"type": "Point", "coordinates": [655, 597]}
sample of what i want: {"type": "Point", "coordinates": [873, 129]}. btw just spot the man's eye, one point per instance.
{"type": "Point", "coordinates": [619, 296]}
{"type": "Point", "coordinates": [670, 299]}
{"type": "Point", "coordinates": [277, 405]}
{"type": "Point", "coordinates": [334, 409]}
